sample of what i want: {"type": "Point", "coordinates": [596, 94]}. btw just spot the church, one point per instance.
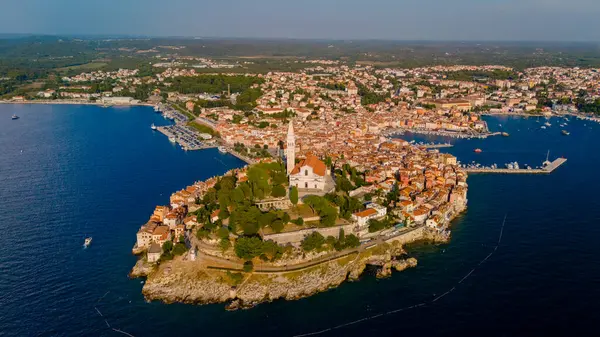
{"type": "Point", "coordinates": [310, 175]}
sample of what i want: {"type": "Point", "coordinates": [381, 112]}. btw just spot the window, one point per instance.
{"type": "Point", "coordinates": [315, 185]}
{"type": "Point", "coordinates": [305, 172]}
{"type": "Point", "coordinates": [305, 185]}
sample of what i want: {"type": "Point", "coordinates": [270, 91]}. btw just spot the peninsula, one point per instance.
{"type": "Point", "coordinates": [289, 229]}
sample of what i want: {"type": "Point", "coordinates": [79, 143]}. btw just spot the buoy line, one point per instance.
{"type": "Point", "coordinates": [368, 318]}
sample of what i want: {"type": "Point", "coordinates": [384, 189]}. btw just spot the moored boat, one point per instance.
{"type": "Point", "coordinates": [565, 132]}
{"type": "Point", "coordinates": [505, 134]}
{"type": "Point", "coordinates": [222, 149]}
{"type": "Point", "coordinates": [153, 127]}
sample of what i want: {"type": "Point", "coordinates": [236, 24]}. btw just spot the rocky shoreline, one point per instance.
{"type": "Point", "coordinates": [181, 281]}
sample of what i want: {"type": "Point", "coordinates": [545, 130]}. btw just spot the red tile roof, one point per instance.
{"type": "Point", "coordinates": [318, 166]}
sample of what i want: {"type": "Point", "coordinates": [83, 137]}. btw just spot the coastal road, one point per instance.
{"type": "Point", "coordinates": [215, 262]}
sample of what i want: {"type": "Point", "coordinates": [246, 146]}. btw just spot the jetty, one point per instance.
{"type": "Point", "coordinates": [435, 146]}
{"type": "Point", "coordinates": [548, 168]}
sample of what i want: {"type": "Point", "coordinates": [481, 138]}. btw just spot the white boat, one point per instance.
{"type": "Point", "coordinates": [222, 149]}
{"type": "Point", "coordinates": [542, 127]}
{"type": "Point", "coordinates": [172, 139]}
{"type": "Point", "coordinates": [87, 242]}
{"type": "Point", "coordinates": [153, 127]}
{"type": "Point", "coordinates": [14, 116]}
{"type": "Point", "coordinates": [547, 124]}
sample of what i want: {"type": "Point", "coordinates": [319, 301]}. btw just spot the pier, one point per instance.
{"type": "Point", "coordinates": [435, 146]}
{"type": "Point", "coordinates": [547, 169]}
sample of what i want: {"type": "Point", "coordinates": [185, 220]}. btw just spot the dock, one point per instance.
{"type": "Point", "coordinates": [435, 146]}
{"type": "Point", "coordinates": [547, 169]}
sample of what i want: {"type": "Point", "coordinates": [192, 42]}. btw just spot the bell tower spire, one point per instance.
{"type": "Point", "coordinates": [291, 148]}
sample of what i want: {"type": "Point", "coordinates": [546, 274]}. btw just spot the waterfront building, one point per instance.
{"type": "Point", "coordinates": [154, 252]}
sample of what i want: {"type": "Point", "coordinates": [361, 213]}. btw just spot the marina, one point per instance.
{"type": "Point", "coordinates": [511, 169]}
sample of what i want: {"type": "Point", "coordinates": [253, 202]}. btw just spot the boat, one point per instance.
{"type": "Point", "coordinates": [542, 127]}
{"type": "Point", "coordinates": [87, 242]}
{"type": "Point", "coordinates": [222, 149]}
{"type": "Point", "coordinates": [547, 124]}
{"type": "Point", "coordinates": [14, 117]}
{"type": "Point", "coordinates": [565, 132]}
{"type": "Point", "coordinates": [477, 151]}
{"type": "Point", "coordinates": [172, 139]}
{"type": "Point", "coordinates": [505, 134]}
{"type": "Point", "coordinates": [153, 127]}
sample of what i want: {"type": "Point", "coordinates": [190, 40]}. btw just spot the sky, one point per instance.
{"type": "Point", "coordinates": [513, 20]}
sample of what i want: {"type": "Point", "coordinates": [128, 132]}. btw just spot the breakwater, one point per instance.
{"type": "Point", "coordinates": [549, 168]}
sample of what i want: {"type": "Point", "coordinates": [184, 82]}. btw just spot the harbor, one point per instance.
{"type": "Point", "coordinates": [547, 168]}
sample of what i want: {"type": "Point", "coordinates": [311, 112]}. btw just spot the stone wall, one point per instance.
{"type": "Point", "coordinates": [296, 237]}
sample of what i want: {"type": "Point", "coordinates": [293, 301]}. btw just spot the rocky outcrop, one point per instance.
{"type": "Point", "coordinates": [142, 268]}
{"type": "Point", "coordinates": [185, 281]}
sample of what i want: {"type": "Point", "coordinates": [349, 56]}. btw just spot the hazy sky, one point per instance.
{"type": "Point", "coordinates": [565, 20]}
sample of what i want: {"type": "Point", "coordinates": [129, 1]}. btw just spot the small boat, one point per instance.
{"type": "Point", "coordinates": [505, 134]}
{"type": "Point", "coordinates": [88, 242]}
{"type": "Point", "coordinates": [477, 151]}
{"type": "Point", "coordinates": [14, 117]}
{"type": "Point", "coordinates": [172, 139]}
{"type": "Point", "coordinates": [542, 127]}
{"type": "Point", "coordinates": [565, 132]}
{"type": "Point", "coordinates": [153, 127]}
{"type": "Point", "coordinates": [222, 149]}
{"type": "Point", "coordinates": [547, 124]}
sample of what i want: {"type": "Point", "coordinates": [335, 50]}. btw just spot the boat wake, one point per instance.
{"type": "Point", "coordinates": [430, 302]}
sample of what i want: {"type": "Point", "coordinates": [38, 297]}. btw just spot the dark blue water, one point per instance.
{"type": "Point", "coordinates": [89, 171]}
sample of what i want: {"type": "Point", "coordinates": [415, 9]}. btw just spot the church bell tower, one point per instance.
{"type": "Point", "coordinates": [291, 149]}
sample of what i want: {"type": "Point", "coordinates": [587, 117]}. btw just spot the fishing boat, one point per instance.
{"type": "Point", "coordinates": [477, 151]}
{"type": "Point", "coordinates": [153, 127]}
{"type": "Point", "coordinates": [87, 242]}
{"type": "Point", "coordinates": [14, 117]}
{"type": "Point", "coordinates": [565, 132]}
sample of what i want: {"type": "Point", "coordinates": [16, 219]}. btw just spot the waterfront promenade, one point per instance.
{"type": "Point", "coordinates": [549, 168]}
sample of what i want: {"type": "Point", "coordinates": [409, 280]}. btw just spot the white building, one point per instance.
{"type": "Point", "coordinates": [309, 174]}
{"type": "Point", "coordinates": [373, 211]}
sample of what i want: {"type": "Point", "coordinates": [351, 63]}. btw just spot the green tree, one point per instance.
{"type": "Point", "coordinates": [167, 246]}
{"type": "Point", "coordinates": [179, 249]}
{"type": "Point", "coordinates": [313, 241]}
{"type": "Point", "coordinates": [294, 195]}
{"type": "Point", "coordinates": [248, 266]}
{"type": "Point", "coordinates": [277, 226]}
{"type": "Point", "coordinates": [224, 244]}
{"type": "Point", "coordinates": [248, 247]}
{"type": "Point", "coordinates": [278, 191]}
{"type": "Point", "coordinates": [223, 232]}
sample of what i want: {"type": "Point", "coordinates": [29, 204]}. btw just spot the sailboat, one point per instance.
{"type": "Point", "coordinates": [14, 116]}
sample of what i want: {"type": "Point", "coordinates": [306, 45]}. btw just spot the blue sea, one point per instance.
{"type": "Point", "coordinates": [68, 172]}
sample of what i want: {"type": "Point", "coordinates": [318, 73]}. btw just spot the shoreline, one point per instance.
{"type": "Point", "coordinates": [71, 102]}
{"type": "Point", "coordinates": [190, 282]}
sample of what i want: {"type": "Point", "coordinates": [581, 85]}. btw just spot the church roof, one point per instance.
{"type": "Point", "coordinates": [317, 165]}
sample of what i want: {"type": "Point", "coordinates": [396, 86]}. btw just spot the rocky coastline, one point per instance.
{"type": "Point", "coordinates": [184, 281]}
